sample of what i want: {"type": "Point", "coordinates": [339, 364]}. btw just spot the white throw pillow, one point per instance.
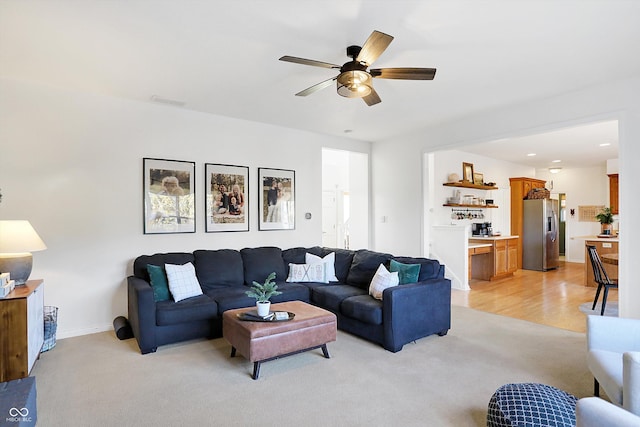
{"type": "Point", "coordinates": [381, 281]}
{"type": "Point", "coordinates": [183, 282]}
{"type": "Point", "coordinates": [308, 273]}
{"type": "Point", "coordinates": [329, 260]}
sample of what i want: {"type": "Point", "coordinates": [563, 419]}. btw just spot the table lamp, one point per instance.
{"type": "Point", "coordinates": [17, 240]}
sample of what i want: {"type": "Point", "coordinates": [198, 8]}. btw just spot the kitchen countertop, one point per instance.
{"type": "Point", "coordinates": [599, 239]}
{"type": "Point", "coordinates": [492, 238]}
{"type": "Point", "coordinates": [479, 245]}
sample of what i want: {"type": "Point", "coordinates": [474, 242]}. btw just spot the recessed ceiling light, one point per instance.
{"type": "Point", "coordinates": [554, 170]}
{"type": "Point", "coordinates": [531, 154]}
{"type": "Point", "coordinates": [556, 161]}
{"type": "Point", "coordinates": [605, 144]}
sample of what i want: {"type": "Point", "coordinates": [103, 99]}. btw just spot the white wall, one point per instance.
{"type": "Point", "coordinates": [397, 173]}
{"type": "Point", "coordinates": [450, 161]}
{"type": "Point", "coordinates": [583, 187]}
{"type": "Point", "coordinates": [71, 164]}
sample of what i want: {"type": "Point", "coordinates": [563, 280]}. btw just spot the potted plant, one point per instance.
{"type": "Point", "coordinates": [606, 219]}
{"type": "Point", "coordinates": [262, 292]}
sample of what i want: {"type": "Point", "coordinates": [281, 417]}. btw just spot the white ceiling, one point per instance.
{"type": "Point", "coordinates": [576, 147]}
{"type": "Point", "coordinates": [221, 57]}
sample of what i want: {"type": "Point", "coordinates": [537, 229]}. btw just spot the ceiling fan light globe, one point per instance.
{"type": "Point", "coordinates": [354, 84]}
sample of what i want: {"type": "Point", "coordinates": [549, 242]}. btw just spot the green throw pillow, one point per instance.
{"type": "Point", "coordinates": [158, 282]}
{"type": "Point", "coordinates": [408, 273]}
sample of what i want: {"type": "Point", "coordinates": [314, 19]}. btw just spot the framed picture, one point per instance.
{"type": "Point", "coordinates": [169, 196]}
{"type": "Point", "coordinates": [467, 172]}
{"type": "Point", "coordinates": [227, 197]}
{"type": "Point", "coordinates": [277, 194]}
{"type": "Point", "coordinates": [478, 178]}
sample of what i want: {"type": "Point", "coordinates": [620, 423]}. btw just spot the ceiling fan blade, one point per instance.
{"type": "Point", "coordinates": [372, 98]}
{"type": "Point", "coordinates": [311, 62]}
{"type": "Point", "coordinates": [404, 73]}
{"type": "Point", "coordinates": [373, 47]}
{"type": "Point", "coordinates": [316, 87]}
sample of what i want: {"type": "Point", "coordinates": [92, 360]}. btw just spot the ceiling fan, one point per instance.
{"type": "Point", "coordinates": [354, 81]}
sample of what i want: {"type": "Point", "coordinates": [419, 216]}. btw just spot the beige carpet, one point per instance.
{"type": "Point", "coordinates": [97, 380]}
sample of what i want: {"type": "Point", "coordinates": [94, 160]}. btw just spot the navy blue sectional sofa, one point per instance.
{"type": "Point", "coordinates": [405, 313]}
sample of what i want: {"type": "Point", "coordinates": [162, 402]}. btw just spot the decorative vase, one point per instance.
{"type": "Point", "coordinates": [263, 308]}
{"type": "Point", "coordinates": [606, 229]}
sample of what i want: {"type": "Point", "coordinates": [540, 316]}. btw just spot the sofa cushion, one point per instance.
{"type": "Point", "coordinates": [407, 273]}
{"type": "Point", "coordinates": [297, 255]}
{"type": "Point", "coordinates": [364, 266]}
{"type": "Point", "coordinates": [342, 264]}
{"type": "Point", "coordinates": [429, 268]}
{"type": "Point", "coordinates": [258, 263]}
{"type": "Point", "coordinates": [382, 280]}
{"type": "Point", "coordinates": [328, 260]}
{"type": "Point", "coordinates": [234, 297]}
{"type": "Point", "coordinates": [140, 263]}
{"type": "Point", "coordinates": [159, 283]}
{"type": "Point", "coordinates": [331, 296]}
{"type": "Point", "coordinates": [219, 268]}
{"type": "Point", "coordinates": [188, 310]}
{"type": "Point", "coordinates": [363, 308]}
{"type": "Point", "coordinates": [183, 282]}
{"type": "Point", "coordinates": [229, 298]}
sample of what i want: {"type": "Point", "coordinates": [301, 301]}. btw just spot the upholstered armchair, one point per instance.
{"type": "Point", "coordinates": [595, 412]}
{"type": "Point", "coordinates": [613, 358]}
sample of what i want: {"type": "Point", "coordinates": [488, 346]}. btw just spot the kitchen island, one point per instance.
{"type": "Point", "coordinates": [493, 257]}
{"type": "Point", "coordinates": [604, 245]}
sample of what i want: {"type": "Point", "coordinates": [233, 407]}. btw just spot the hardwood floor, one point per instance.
{"type": "Point", "coordinates": [550, 298]}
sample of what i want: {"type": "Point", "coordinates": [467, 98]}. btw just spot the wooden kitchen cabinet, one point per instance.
{"type": "Point", "coordinates": [613, 193]}
{"type": "Point", "coordinates": [520, 187]}
{"type": "Point", "coordinates": [501, 263]}
{"type": "Point", "coordinates": [22, 330]}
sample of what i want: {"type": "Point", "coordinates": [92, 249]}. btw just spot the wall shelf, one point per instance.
{"type": "Point", "coordinates": [469, 185]}
{"type": "Point", "coordinates": [470, 206]}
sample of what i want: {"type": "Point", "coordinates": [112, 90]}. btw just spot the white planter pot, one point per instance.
{"type": "Point", "coordinates": [263, 308]}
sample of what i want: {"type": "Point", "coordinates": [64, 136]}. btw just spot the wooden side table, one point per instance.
{"type": "Point", "coordinates": [21, 330]}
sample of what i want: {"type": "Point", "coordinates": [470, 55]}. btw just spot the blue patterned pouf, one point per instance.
{"type": "Point", "coordinates": [531, 405]}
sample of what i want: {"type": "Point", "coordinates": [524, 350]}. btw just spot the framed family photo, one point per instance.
{"type": "Point", "coordinates": [227, 197]}
{"type": "Point", "coordinates": [169, 196]}
{"type": "Point", "coordinates": [276, 199]}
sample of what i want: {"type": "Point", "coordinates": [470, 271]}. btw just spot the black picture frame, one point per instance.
{"type": "Point", "coordinates": [276, 199]}
{"type": "Point", "coordinates": [226, 197]}
{"type": "Point", "coordinates": [168, 196]}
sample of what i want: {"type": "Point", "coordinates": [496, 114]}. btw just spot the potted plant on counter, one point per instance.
{"type": "Point", "coordinates": [262, 292]}
{"type": "Point", "coordinates": [606, 219]}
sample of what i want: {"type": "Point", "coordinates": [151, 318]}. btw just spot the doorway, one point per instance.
{"type": "Point", "coordinates": [345, 199]}
{"type": "Point", "coordinates": [562, 214]}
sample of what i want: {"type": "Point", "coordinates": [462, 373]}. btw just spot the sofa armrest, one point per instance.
{"type": "Point", "coordinates": [631, 381]}
{"type": "Point", "coordinates": [613, 334]}
{"type": "Point", "coordinates": [596, 412]}
{"type": "Point", "coordinates": [142, 313]}
{"type": "Point", "coordinates": [414, 311]}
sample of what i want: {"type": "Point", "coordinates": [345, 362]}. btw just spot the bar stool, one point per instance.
{"type": "Point", "coordinates": [601, 277]}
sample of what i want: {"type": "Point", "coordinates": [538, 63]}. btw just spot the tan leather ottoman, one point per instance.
{"type": "Point", "coordinates": [311, 328]}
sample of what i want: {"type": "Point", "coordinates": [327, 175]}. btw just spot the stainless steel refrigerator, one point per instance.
{"type": "Point", "coordinates": [540, 242]}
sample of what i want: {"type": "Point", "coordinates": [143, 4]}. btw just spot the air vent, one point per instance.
{"type": "Point", "coordinates": [156, 98]}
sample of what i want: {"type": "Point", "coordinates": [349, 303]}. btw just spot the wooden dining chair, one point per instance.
{"type": "Point", "coordinates": [601, 277]}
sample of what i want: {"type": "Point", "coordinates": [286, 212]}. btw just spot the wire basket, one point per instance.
{"type": "Point", "coordinates": [50, 327]}
{"type": "Point", "coordinates": [538, 193]}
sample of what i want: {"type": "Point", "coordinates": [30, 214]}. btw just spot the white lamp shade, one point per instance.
{"type": "Point", "coordinates": [18, 236]}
